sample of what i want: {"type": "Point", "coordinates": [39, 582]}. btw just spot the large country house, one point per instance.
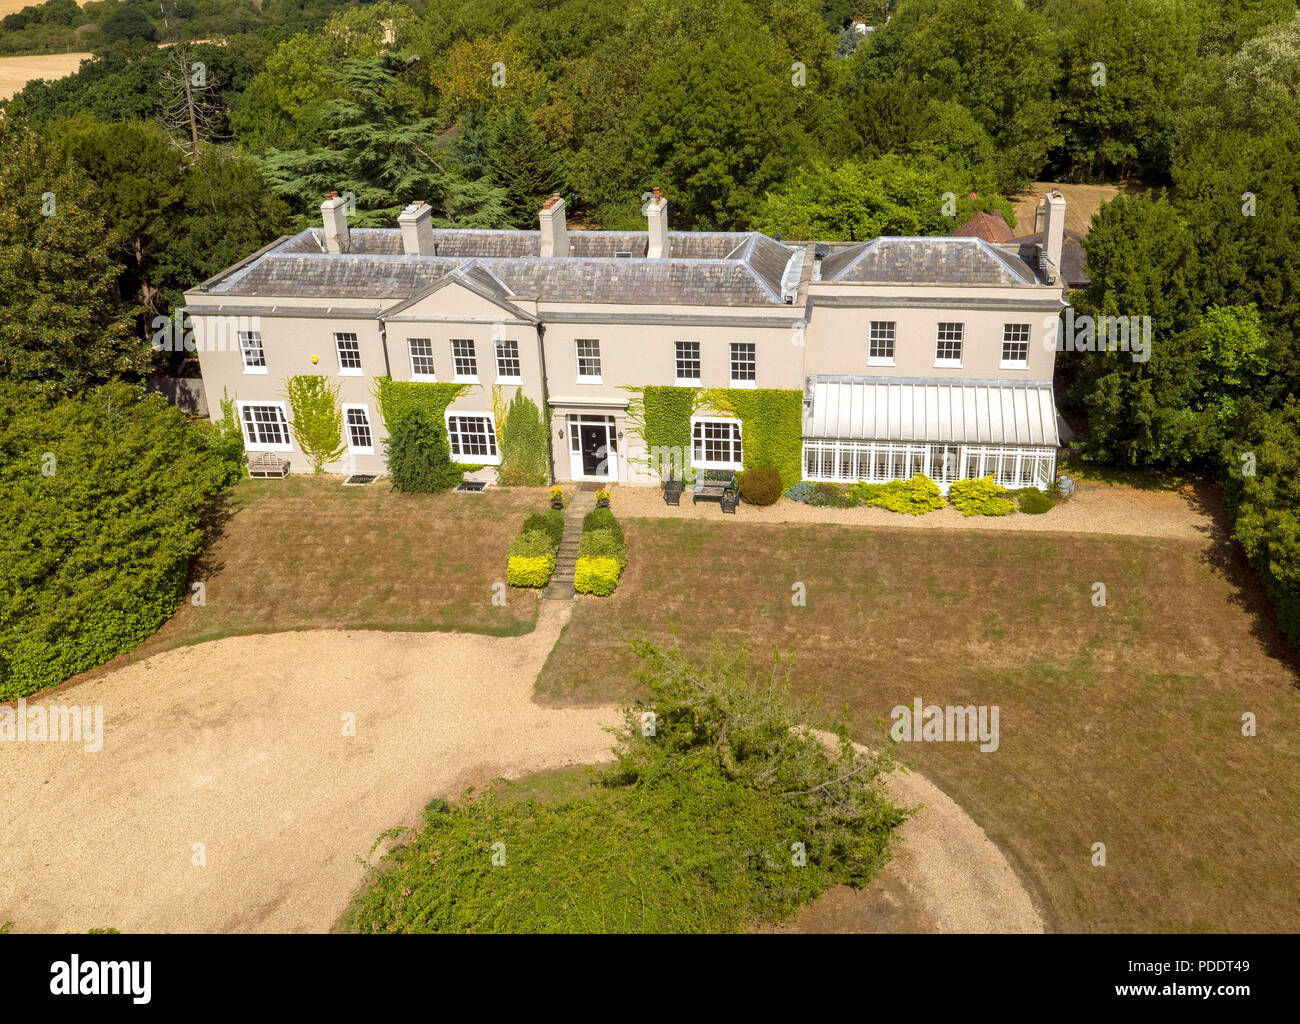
{"type": "Point", "coordinates": [897, 355]}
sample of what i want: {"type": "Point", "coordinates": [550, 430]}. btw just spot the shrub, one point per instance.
{"type": "Point", "coordinates": [1034, 502]}
{"type": "Point", "coordinates": [914, 497]}
{"type": "Point", "coordinates": [801, 491]}
{"type": "Point", "coordinates": [760, 485]}
{"type": "Point", "coordinates": [597, 576]}
{"type": "Point", "coordinates": [602, 554]}
{"type": "Point", "coordinates": [861, 493]}
{"type": "Point", "coordinates": [531, 558]}
{"type": "Point", "coordinates": [981, 497]}
{"type": "Point", "coordinates": [826, 495]}
{"type": "Point", "coordinates": [419, 460]}
{"type": "Point", "coordinates": [102, 498]}
{"type": "Point", "coordinates": [530, 570]}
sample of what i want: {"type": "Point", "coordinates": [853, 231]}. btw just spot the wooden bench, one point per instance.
{"type": "Point", "coordinates": [715, 485]}
{"type": "Point", "coordinates": [267, 464]}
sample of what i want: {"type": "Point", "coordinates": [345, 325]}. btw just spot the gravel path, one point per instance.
{"type": "Point", "coordinates": [237, 744]}
{"type": "Point", "coordinates": [1189, 514]}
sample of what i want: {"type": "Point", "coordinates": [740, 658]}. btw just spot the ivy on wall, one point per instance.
{"type": "Point", "coordinates": [771, 421]}
{"type": "Point", "coordinates": [771, 426]}
{"type": "Point", "coordinates": [525, 460]}
{"type": "Point", "coordinates": [396, 398]}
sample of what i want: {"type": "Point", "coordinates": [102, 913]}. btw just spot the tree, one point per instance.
{"type": "Point", "coordinates": [997, 58]}
{"type": "Point", "coordinates": [128, 23]}
{"type": "Point", "coordinates": [1123, 65]}
{"type": "Point", "coordinates": [889, 196]}
{"type": "Point", "coordinates": [316, 419]}
{"type": "Point", "coordinates": [373, 144]}
{"type": "Point", "coordinates": [521, 164]}
{"type": "Point", "coordinates": [419, 460]}
{"type": "Point", "coordinates": [59, 327]}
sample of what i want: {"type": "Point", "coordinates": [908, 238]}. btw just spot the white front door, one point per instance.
{"type": "Point", "coordinates": [593, 448]}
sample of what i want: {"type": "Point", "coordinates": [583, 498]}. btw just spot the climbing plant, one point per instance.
{"type": "Point", "coordinates": [396, 398]}
{"type": "Point", "coordinates": [661, 415]}
{"type": "Point", "coordinates": [525, 460]}
{"type": "Point", "coordinates": [771, 426]}
{"type": "Point", "coordinates": [316, 418]}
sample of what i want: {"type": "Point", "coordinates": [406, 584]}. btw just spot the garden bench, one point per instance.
{"type": "Point", "coordinates": [265, 464]}
{"type": "Point", "coordinates": [714, 485]}
{"type": "Point", "coordinates": [673, 491]}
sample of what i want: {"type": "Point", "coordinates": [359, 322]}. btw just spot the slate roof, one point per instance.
{"type": "Point", "coordinates": [954, 260]}
{"type": "Point", "coordinates": [1073, 270]}
{"type": "Point", "coordinates": [703, 268]}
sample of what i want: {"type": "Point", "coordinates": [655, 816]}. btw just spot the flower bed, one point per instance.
{"type": "Point", "coordinates": [602, 554]}
{"type": "Point", "coordinates": [532, 553]}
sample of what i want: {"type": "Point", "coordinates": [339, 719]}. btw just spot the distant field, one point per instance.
{"type": "Point", "coordinates": [15, 72]}
{"type": "Point", "coordinates": [9, 6]}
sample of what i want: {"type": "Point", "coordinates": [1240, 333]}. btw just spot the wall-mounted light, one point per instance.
{"type": "Point", "coordinates": [561, 434]}
{"type": "Point", "coordinates": [620, 435]}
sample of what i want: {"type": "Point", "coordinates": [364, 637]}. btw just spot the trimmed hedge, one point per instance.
{"type": "Point", "coordinates": [102, 498]}
{"type": "Point", "coordinates": [602, 554]}
{"type": "Point", "coordinates": [981, 497]}
{"type": "Point", "coordinates": [531, 559]}
{"type": "Point", "coordinates": [760, 485]}
{"type": "Point", "coordinates": [1034, 502]}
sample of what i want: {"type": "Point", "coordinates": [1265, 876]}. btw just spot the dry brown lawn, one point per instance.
{"type": "Point", "coordinates": [308, 553]}
{"type": "Point", "coordinates": [15, 72]}
{"type": "Point", "coordinates": [1119, 724]}
{"type": "Point", "coordinates": [1081, 202]}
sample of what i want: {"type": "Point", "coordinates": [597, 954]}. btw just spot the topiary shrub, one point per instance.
{"type": "Point", "coordinates": [913, 497]}
{"type": "Point", "coordinates": [550, 523]}
{"type": "Point", "coordinates": [1034, 502]}
{"type": "Point", "coordinates": [760, 485]}
{"type": "Point", "coordinates": [530, 570]}
{"type": "Point", "coordinates": [531, 558]}
{"type": "Point", "coordinates": [419, 460]}
{"type": "Point", "coordinates": [602, 554]}
{"type": "Point", "coordinates": [597, 576]}
{"type": "Point", "coordinates": [981, 497]}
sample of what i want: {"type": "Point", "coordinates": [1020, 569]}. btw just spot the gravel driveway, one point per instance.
{"type": "Point", "coordinates": [238, 745]}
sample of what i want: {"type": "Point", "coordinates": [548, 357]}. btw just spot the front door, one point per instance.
{"type": "Point", "coordinates": [593, 438]}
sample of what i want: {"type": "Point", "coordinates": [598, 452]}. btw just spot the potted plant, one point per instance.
{"type": "Point", "coordinates": [557, 497]}
{"type": "Point", "coordinates": [602, 498]}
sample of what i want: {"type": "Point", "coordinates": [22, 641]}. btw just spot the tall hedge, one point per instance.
{"type": "Point", "coordinates": [101, 499]}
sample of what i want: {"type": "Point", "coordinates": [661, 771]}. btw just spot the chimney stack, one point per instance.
{"type": "Point", "coordinates": [334, 215]}
{"type": "Point", "coordinates": [416, 222]}
{"type": "Point", "coordinates": [1053, 232]}
{"type": "Point", "coordinates": [656, 212]}
{"type": "Point", "coordinates": [555, 232]}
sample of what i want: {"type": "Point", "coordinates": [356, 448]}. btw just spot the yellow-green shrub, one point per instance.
{"type": "Point", "coordinates": [981, 497]}
{"type": "Point", "coordinates": [595, 575]}
{"type": "Point", "coordinates": [914, 497]}
{"type": "Point", "coordinates": [530, 570]}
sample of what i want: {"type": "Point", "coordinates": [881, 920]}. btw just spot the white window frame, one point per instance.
{"type": "Point", "coordinates": [355, 449]}
{"type": "Point", "coordinates": [473, 460]}
{"type": "Point", "coordinates": [1015, 364]}
{"type": "Point", "coordinates": [256, 336]}
{"type": "Point", "coordinates": [507, 378]}
{"type": "Point", "coordinates": [258, 446]}
{"type": "Point", "coordinates": [457, 376]}
{"type": "Point", "coordinates": [731, 363]}
{"type": "Point", "coordinates": [587, 378]}
{"type": "Point", "coordinates": [410, 354]}
{"type": "Point", "coordinates": [739, 429]}
{"type": "Point", "coordinates": [347, 371]}
{"type": "Point", "coordinates": [874, 360]}
{"type": "Point", "coordinates": [677, 365]}
{"type": "Point", "coordinates": [961, 343]}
